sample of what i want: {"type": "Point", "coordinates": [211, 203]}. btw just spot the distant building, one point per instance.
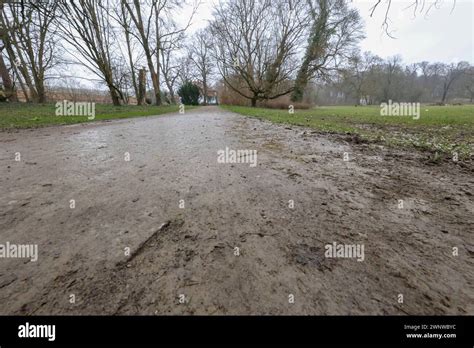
{"type": "Point", "coordinates": [211, 97]}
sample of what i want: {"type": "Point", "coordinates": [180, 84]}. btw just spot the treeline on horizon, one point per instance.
{"type": "Point", "coordinates": [370, 80]}
{"type": "Point", "coordinates": [252, 52]}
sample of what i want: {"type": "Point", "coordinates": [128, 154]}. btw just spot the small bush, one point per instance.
{"type": "Point", "coordinates": [189, 93]}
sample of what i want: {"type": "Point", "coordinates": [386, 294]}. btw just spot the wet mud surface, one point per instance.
{"type": "Point", "coordinates": [158, 234]}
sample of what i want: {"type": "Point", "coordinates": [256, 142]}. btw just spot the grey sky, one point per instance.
{"type": "Point", "coordinates": [445, 34]}
{"type": "Point", "coordinates": [442, 35]}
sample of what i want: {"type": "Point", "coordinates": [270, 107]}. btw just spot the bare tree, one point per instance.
{"type": "Point", "coordinates": [255, 46]}
{"type": "Point", "coordinates": [30, 40]}
{"type": "Point", "coordinates": [10, 92]}
{"type": "Point", "coordinates": [86, 26]}
{"type": "Point", "coordinates": [143, 27]}
{"type": "Point", "coordinates": [392, 69]}
{"type": "Point", "coordinates": [449, 74]}
{"type": "Point", "coordinates": [469, 83]}
{"type": "Point", "coordinates": [200, 54]}
{"type": "Point", "coordinates": [334, 30]}
{"type": "Point", "coordinates": [170, 45]}
{"type": "Point", "coordinates": [153, 26]}
{"type": "Point", "coordinates": [122, 17]}
{"type": "Point", "coordinates": [358, 73]}
{"type": "Point", "coordinates": [390, 79]}
{"type": "Point", "coordinates": [186, 69]}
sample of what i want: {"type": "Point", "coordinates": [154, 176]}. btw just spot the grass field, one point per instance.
{"type": "Point", "coordinates": [442, 129]}
{"type": "Point", "coordinates": [25, 115]}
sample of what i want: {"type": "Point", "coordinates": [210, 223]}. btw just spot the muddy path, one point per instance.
{"type": "Point", "coordinates": [160, 227]}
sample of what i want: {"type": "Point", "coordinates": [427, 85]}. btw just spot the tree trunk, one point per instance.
{"type": "Point", "coordinates": [141, 87]}
{"type": "Point", "coordinates": [22, 85]}
{"type": "Point", "coordinates": [40, 90]}
{"type": "Point", "coordinates": [154, 77]}
{"type": "Point", "coordinates": [301, 82]}
{"type": "Point", "coordinates": [445, 94]}
{"type": "Point", "coordinates": [156, 87]}
{"type": "Point", "coordinates": [314, 50]}
{"type": "Point", "coordinates": [171, 90]}
{"type": "Point", "coordinates": [10, 92]}
{"type": "Point", "coordinates": [254, 102]}
{"type": "Point", "coordinates": [41, 94]}
{"type": "Point", "coordinates": [158, 50]}
{"type": "Point", "coordinates": [136, 87]}
{"type": "Point", "coordinates": [204, 87]}
{"type": "Point", "coordinates": [32, 95]}
{"type": "Point", "coordinates": [114, 96]}
{"type": "Point", "coordinates": [132, 69]}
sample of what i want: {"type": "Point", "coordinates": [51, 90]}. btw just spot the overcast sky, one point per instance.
{"type": "Point", "coordinates": [444, 35]}
{"type": "Point", "coordinates": [441, 36]}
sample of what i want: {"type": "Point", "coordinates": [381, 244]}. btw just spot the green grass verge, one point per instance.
{"type": "Point", "coordinates": [26, 115]}
{"type": "Point", "coordinates": [444, 129]}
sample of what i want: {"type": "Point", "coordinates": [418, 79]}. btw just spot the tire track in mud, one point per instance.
{"type": "Point", "coordinates": [107, 294]}
{"type": "Point", "coordinates": [150, 281]}
{"type": "Point", "coordinates": [143, 244]}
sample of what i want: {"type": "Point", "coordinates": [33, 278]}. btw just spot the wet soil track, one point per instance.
{"type": "Point", "coordinates": [191, 251]}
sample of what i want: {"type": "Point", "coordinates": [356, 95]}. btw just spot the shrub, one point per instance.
{"type": "Point", "coordinates": [189, 93]}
